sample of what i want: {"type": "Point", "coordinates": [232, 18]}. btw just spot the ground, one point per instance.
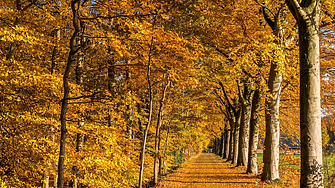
{"type": "Point", "coordinates": [208, 170]}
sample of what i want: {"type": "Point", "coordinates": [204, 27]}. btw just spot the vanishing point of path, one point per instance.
{"type": "Point", "coordinates": [207, 170]}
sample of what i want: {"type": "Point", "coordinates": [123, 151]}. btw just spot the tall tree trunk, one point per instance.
{"type": "Point", "coordinates": [307, 14]}
{"type": "Point", "coordinates": [53, 71]}
{"type": "Point", "coordinates": [54, 51]}
{"type": "Point", "coordinates": [214, 148]}
{"type": "Point", "coordinates": [271, 153]}
{"type": "Point", "coordinates": [165, 149]}
{"type": "Point", "coordinates": [218, 141]}
{"type": "Point", "coordinates": [245, 124]}
{"type": "Point", "coordinates": [231, 141]}
{"type": "Point", "coordinates": [227, 144]}
{"type": "Point", "coordinates": [254, 130]}
{"type": "Point", "coordinates": [150, 111]}
{"type": "Point", "coordinates": [79, 81]}
{"type": "Point", "coordinates": [157, 136]}
{"type": "Point", "coordinates": [236, 136]}
{"type": "Point", "coordinates": [222, 144]}
{"type": "Point", "coordinates": [72, 52]}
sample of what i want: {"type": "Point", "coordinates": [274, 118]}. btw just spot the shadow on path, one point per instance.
{"type": "Point", "coordinates": [209, 171]}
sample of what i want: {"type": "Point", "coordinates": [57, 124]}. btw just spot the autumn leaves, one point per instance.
{"type": "Point", "coordinates": [84, 83]}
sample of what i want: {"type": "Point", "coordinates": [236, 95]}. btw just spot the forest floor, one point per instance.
{"type": "Point", "coordinates": [208, 170]}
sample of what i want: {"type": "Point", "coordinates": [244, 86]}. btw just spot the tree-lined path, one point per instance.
{"type": "Point", "coordinates": [102, 93]}
{"type": "Point", "coordinates": [207, 170]}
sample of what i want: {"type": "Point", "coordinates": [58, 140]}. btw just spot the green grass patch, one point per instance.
{"type": "Point", "coordinates": [260, 157]}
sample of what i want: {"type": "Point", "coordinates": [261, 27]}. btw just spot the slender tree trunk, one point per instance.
{"type": "Point", "coordinates": [218, 141]}
{"type": "Point", "coordinates": [222, 144]}
{"type": "Point", "coordinates": [231, 140]}
{"type": "Point", "coordinates": [236, 136]}
{"type": "Point", "coordinates": [307, 14]}
{"type": "Point", "coordinates": [157, 136]}
{"type": "Point", "coordinates": [52, 71]}
{"type": "Point", "coordinates": [80, 137]}
{"type": "Point", "coordinates": [165, 149]}
{"type": "Point", "coordinates": [245, 124]}
{"type": "Point", "coordinates": [46, 181]}
{"type": "Point", "coordinates": [254, 130]}
{"type": "Point", "coordinates": [54, 52]}
{"type": "Point", "coordinates": [226, 144]}
{"type": "Point", "coordinates": [66, 95]}
{"type": "Point", "coordinates": [150, 112]}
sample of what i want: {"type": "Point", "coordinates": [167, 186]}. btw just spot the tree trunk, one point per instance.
{"type": "Point", "coordinates": [271, 153]}
{"type": "Point", "coordinates": [157, 136]}
{"type": "Point", "coordinates": [236, 136]}
{"type": "Point", "coordinates": [226, 144]}
{"type": "Point", "coordinates": [149, 115]}
{"type": "Point", "coordinates": [307, 14]}
{"type": "Point", "coordinates": [254, 130]}
{"type": "Point", "coordinates": [222, 144]}
{"type": "Point", "coordinates": [72, 52]}
{"type": "Point", "coordinates": [231, 142]}
{"type": "Point", "coordinates": [54, 52]}
{"type": "Point", "coordinates": [46, 181]}
{"type": "Point", "coordinates": [165, 149]}
{"type": "Point", "coordinates": [245, 124]}
{"type": "Point", "coordinates": [219, 145]}
{"type": "Point", "coordinates": [231, 146]}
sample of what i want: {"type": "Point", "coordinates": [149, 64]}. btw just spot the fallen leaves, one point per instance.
{"type": "Point", "coordinates": [208, 170]}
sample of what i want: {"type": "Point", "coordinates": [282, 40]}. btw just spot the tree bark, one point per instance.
{"type": "Point", "coordinates": [222, 144]}
{"type": "Point", "coordinates": [227, 144]}
{"type": "Point", "coordinates": [245, 124]}
{"type": "Point", "coordinates": [236, 136]}
{"type": "Point", "coordinates": [271, 153]}
{"type": "Point", "coordinates": [157, 136]}
{"type": "Point", "coordinates": [66, 87]}
{"type": "Point", "coordinates": [307, 14]}
{"type": "Point", "coordinates": [150, 110]}
{"type": "Point", "coordinates": [272, 135]}
{"type": "Point", "coordinates": [165, 149]}
{"type": "Point", "coordinates": [54, 52]}
{"type": "Point", "coordinates": [254, 130]}
{"type": "Point", "coordinates": [231, 141]}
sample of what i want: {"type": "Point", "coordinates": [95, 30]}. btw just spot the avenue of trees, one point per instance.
{"type": "Point", "coordinates": [114, 93]}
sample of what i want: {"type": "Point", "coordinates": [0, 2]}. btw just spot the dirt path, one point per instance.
{"type": "Point", "coordinates": [207, 170]}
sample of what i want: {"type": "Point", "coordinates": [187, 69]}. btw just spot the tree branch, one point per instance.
{"type": "Point", "coordinates": [227, 98]}
{"type": "Point", "coordinates": [299, 12]}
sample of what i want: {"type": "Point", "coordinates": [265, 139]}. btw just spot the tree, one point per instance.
{"type": "Point", "coordinates": [246, 101]}
{"type": "Point", "coordinates": [308, 15]}
{"type": "Point", "coordinates": [72, 52]}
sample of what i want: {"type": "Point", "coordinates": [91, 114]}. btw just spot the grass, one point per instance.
{"type": "Point", "coordinates": [260, 156]}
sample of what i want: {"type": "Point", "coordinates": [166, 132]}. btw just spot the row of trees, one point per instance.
{"type": "Point", "coordinates": [241, 106]}
{"type": "Point", "coordinates": [111, 93]}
